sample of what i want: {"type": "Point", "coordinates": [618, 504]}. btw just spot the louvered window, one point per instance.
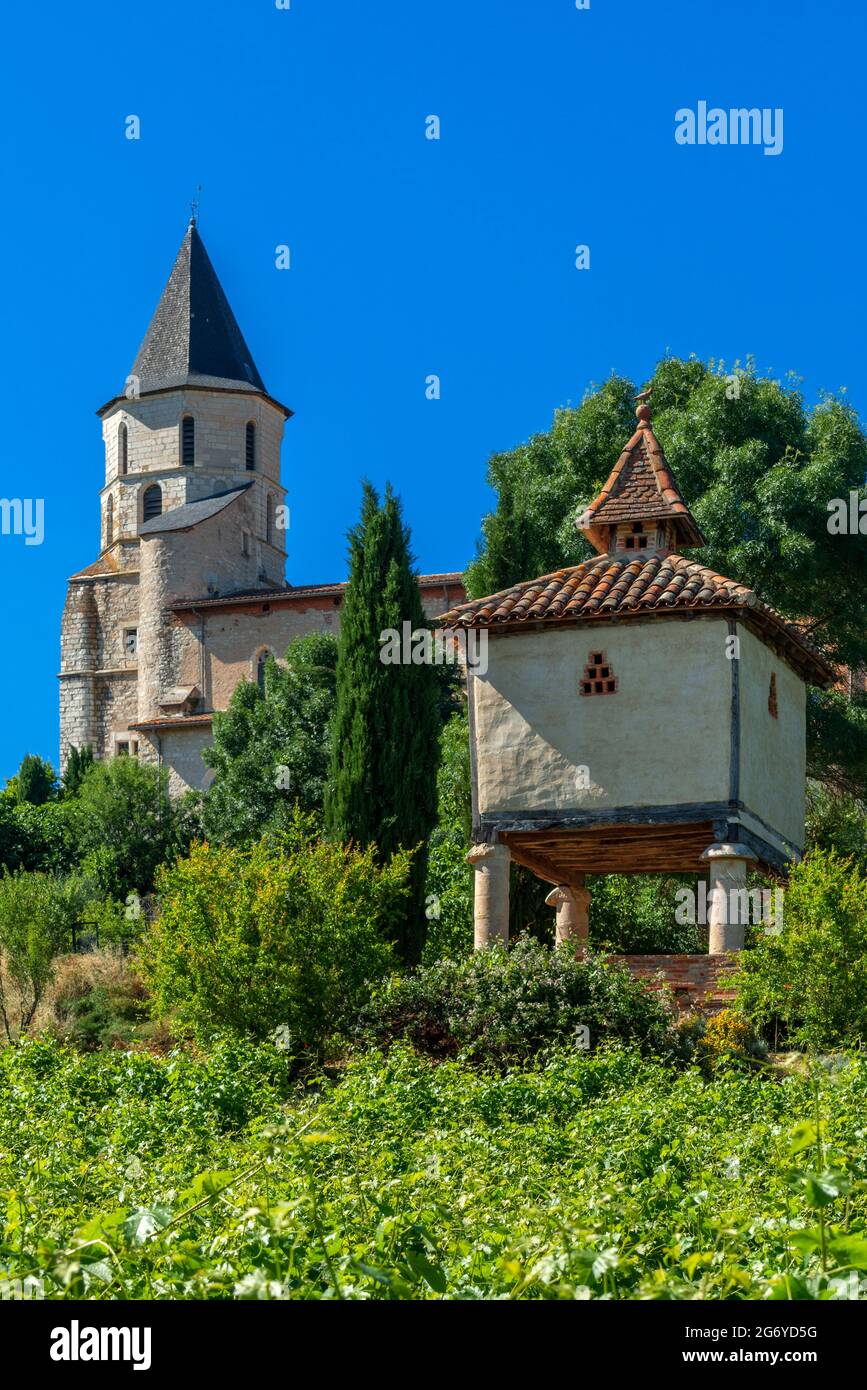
{"type": "Point", "coordinates": [152, 502]}
{"type": "Point", "coordinates": [188, 441]}
{"type": "Point", "coordinates": [251, 446]}
{"type": "Point", "coordinates": [122, 449]}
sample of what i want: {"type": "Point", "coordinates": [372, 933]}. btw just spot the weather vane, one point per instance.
{"type": "Point", "coordinates": [194, 207]}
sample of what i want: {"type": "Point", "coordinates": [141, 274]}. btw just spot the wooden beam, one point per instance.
{"type": "Point", "coordinates": [563, 855]}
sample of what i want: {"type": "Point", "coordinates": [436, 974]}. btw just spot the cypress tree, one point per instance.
{"type": "Point", "coordinates": [36, 780]}
{"type": "Point", "coordinates": [385, 732]}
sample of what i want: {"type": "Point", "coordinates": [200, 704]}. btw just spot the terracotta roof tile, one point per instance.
{"type": "Point", "coordinates": [291, 593]}
{"type": "Point", "coordinates": [624, 585]}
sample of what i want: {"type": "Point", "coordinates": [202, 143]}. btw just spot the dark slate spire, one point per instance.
{"type": "Point", "coordinates": [194, 338]}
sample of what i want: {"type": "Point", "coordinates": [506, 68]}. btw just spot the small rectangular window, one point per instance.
{"type": "Point", "coordinates": [245, 542]}
{"type": "Point", "coordinates": [130, 641]}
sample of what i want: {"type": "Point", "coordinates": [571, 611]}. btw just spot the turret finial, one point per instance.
{"type": "Point", "coordinates": [643, 412]}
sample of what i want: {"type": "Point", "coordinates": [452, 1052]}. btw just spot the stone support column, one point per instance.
{"type": "Point", "coordinates": [728, 904]}
{"type": "Point", "coordinates": [572, 902]}
{"type": "Point", "coordinates": [491, 899]}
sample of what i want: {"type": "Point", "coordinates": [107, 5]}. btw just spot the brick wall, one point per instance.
{"type": "Point", "coordinates": [697, 981]}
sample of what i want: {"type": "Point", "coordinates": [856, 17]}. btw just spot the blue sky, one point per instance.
{"type": "Point", "coordinates": [409, 256]}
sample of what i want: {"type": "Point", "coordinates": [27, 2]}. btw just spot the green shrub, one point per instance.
{"type": "Point", "coordinates": [502, 1004]}
{"type": "Point", "coordinates": [99, 1012]}
{"type": "Point", "coordinates": [101, 1019]}
{"type": "Point", "coordinates": [288, 933]}
{"type": "Point", "coordinates": [807, 986]}
{"type": "Point", "coordinates": [727, 1037]}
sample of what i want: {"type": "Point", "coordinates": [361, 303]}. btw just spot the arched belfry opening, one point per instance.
{"type": "Point", "coordinates": [618, 729]}
{"type": "Point", "coordinates": [152, 502]}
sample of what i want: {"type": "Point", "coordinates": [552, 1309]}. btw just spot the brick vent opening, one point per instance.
{"type": "Point", "coordinates": [598, 677]}
{"type": "Point", "coordinates": [772, 696]}
{"type": "Point", "coordinates": [638, 540]}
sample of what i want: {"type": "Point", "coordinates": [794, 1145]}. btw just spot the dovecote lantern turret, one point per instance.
{"type": "Point", "coordinates": [635, 713]}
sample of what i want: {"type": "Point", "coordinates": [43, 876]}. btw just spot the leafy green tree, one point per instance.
{"type": "Point", "coordinates": [385, 735]}
{"type": "Point", "coordinates": [37, 912]}
{"type": "Point", "coordinates": [289, 933]}
{"type": "Point", "coordinates": [271, 749]}
{"type": "Point", "coordinates": [807, 985]}
{"type": "Point", "coordinates": [37, 838]}
{"type": "Point", "coordinates": [125, 826]}
{"type": "Point", "coordinates": [36, 780]}
{"type": "Point", "coordinates": [759, 470]}
{"type": "Point", "coordinates": [78, 764]}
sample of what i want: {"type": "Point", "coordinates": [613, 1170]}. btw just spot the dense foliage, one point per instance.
{"type": "Point", "coordinates": [449, 902]}
{"type": "Point", "coordinates": [602, 1175]}
{"type": "Point", "coordinates": [502, 1005]}
{"type": "Point", "coordinates": [36, 915]}
{"type": "Point", "coordinates": [288, 933]}
{"type": "Point", "coordinates": [78, 764]}
{"type": "Point", "coordinates": [36, 780]}
{"type": "Point", "coordinates": [40, 916]}
{"type": "Point", "coordinates": [807, 984]}
{"type": "Point", "coordinates": [384, 737]}
{"type": "Point", "coordinates": [271, 748]}
{"type": "Point", "coordinates": [636, 913]}
{"type": "Point", "coordinates": [115, 824]}
{"type": "Point", "coordinates": [125, 825]}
